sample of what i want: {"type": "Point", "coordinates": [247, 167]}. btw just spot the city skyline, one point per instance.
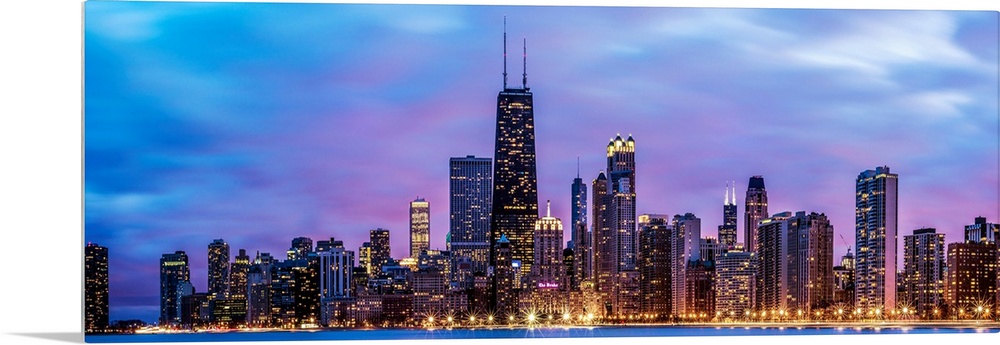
{"type": "Point", "coordinates": [118, 207]}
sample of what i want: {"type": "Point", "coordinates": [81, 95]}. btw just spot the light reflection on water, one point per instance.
{"type": "Point", "coordinates": [502, 333]}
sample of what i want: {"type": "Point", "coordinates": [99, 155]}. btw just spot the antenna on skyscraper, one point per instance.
{"type": "Point", "coordinates": [726, 200]}
{"type": "Point", "coordinates": [524, 81]}
{"type": "Point", "coordinates": [577, 166]}
{"type": "Point", "coordinates": [505, 52]}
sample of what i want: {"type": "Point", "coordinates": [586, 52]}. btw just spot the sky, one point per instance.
{"type": "Point", "coordinates": [257, 123]}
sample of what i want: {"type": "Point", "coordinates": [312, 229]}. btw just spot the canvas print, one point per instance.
{"type": "Point", "coordinates": [278, 171]}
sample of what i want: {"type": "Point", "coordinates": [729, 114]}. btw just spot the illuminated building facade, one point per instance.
{"type": "Point", "coordinates": [471, 195]}
{"type": "Point", "coordinates": [238, 276]}
{"type": "Point", "coordinates": [95, 275]}
{"type": "Point", "coordinates": [971, 277]}
{"type": "Point", "coordinates": [923, 271]}
{"type": "Point", "coordinates": [259, 290]}
{"type": "Point", "coordinates": [810, 261]}
{"type": "Point", "coordinates": [685, 242]}
{"type": "Point", "coordinates": [654, 265]}
{"type": "Point", "coordinates": [755, 210]}
{"type": "Point", "coordinates": [735, 272]}
{"type": "Point", "coordinates": [380, 253]}
{"type": "Point", "coordinates": [173, 271]}
{"type": "Point", "coordinates": [876, 219]}
{"type": "Point", "coordinates": [700, 290]}
{"type": "Point", "coordinates": [420, 226]}
{"type": "Point", "coordinates": [301, 246]}
{"type": "Point", "coordinates": [843, 280]}
{"type": "Point", "coordinates": [515, 183]}
{"type": "Point", "coordinates": [548, 272]}
{"type": "Point", "coordinates": [770, 289]}
{"type": "Point", "coordinates": [503, 283]}
{"type": "Point", "coordinates": [603, 248]}
{"type": "Point", "coordinates": [218, 269]}
{"type": "Point", "coordinates": [727, 231]}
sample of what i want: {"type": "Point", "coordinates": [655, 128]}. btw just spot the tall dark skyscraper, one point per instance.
{"type": "Point", "coordinates": [380, 254]}
{"type": "Point", "coordinates": [727, 231]}
{"type": "Point", "coordinates": [471, 196]}
{"type": "Point", "coordinates": [173, 271]}
{"type": "Point", "coordinates": [515, 185]}
{"type": "Point", "coordinates": [755, 211]}
{"type": "Point", "coordinates": [218, 268]}
{"type": "Point", "coordinates": [95, 289]}
{"type": "Point", "coordinates": [238, 276]}
{"type": "Point", "coordinates": [876, 219]}
{"type": "Point", "coordinates": [581, 237]}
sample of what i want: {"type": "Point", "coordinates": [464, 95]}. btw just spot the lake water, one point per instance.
{"type": "Point", "coordinates": [503, 333]}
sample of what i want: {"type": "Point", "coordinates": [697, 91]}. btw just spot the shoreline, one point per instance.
{"type": "Point", "coordinates": [903, 325]}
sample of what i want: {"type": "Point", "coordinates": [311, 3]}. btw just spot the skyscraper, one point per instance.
{"type": "Point", "coordinates": [810, 261]}
{"type": "Point", "coordinates": [218, 268]}
{"type": "Point", "coordinates": [735, 271]}
{"type": "Point", "coordinates": [548, 270]}
{"type": "Point", "coordinates": [685, 242]}
{"type": "Point", "coordinates": [876, 220]}
{"type": "Point", "coordinates": [616, 243]}
{"type": "Point", "coordinates": [971, 277]}
{"type": "Point", "coordinates": [420, 226]}
{"type": "Point", "coordinates": [727, 231]}
{"type": "Point", "coordinates": [771, 289]}
{"type": "Point", "coordinates": [95, 275]}
{"type": "Point", "coordinates": [380, 253]}
{"type": "Point", "coordinates": [654, 265]}
{"type": "Point", "coordinates": [471, 191]}
{"type": "Point", "coordinates": [923, 271]}
{"type": "Point", "coordinates": [173, 271]}
{"type": "Point", "coordinates": [581, 238]}
{"type": "Point", "coordinates": [603, 247]}
{"type": "Point", "coordinates": [755, 210]}
{"type": "Point", "coordinates": [515, 190]}
{"type": "Point", "coordinates": [238, 276]}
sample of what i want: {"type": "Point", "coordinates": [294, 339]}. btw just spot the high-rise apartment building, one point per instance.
{"type": "Point", "coordinates": [971, 278]}
{"type": "Point", "coordinates": [685, 246]}
{"type": "Point", "coordinates": [420, 226]}
{"type": "Point", "coordinates": [471, 195]}
{"type": "Point", "coordinates": [218, 269]}
{"type": "Point", "coordinates": [601, 235]}
{"type": "Point", "coordinates": [771, 289]}
{"type": "Point", "coordinates": [301, 247]}
{"type": "Point", "coordinates": [380, 253]}
{"type": "Point", "coordinates": [95, 288]}
{"type": "Point", "coordinates": [173, 270]}
{"type": "Point", "coordinates": [727, 231]}
{"type": "Point", "coordinates": [810, 262]}
{"type": "Point", "coordinates": [735, 272]}
{"type": "Point", "coordinates": [515, 182]}
{"type": "Point", "coordinates": [654, 265]}
{"type": "Point", "coordinates": [755, 210]}
{"type": "Point", "coordinates": [238, 276]}
{"type": "Point", "coordinates": [923, 271]}
{"type": "Point", "coordinates": [876, 220]}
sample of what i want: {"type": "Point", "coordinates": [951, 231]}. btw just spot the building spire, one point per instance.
{"type": "Point", "coordinates": [524, 80]}
{"type": "Point", "coordinates": [548, 208]}
{"type": "Point", "coordinates": [505, 52]}
{"type": "Point", "coordinates": [577, 166]}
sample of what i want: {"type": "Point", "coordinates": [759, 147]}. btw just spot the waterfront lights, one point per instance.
{"type": "Point", "coordinates": [565, 316]}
